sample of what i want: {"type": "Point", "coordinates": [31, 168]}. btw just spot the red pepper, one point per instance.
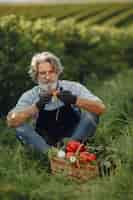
{"type": "Point", "coordinates": [86, 157]}
{"type": "Point", "coordinates": [92, 157]}
{"type": "Point", "coordinates": [73, 145]}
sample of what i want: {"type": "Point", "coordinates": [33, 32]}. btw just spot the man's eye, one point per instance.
{"type": "Point", "coordinates": [45, 73]}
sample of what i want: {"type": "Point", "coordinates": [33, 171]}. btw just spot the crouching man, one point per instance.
{"type": "Point", "coordinates": [59, 108]}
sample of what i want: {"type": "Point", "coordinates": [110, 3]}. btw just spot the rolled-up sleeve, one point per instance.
{"type": "Point", "coordinates": [84, 93]}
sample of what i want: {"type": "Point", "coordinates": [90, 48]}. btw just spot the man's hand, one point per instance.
{"type": "Point", "coordinates": [15, 119]}
{"type": "Point", "coordinates": [43, 100]}
{"type": "Point", "coordinates": [67, 97]}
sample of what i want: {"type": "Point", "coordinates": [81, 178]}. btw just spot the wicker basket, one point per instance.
{"type": "Point", "coordinates": [85, 172]}
{"type": "Point", "coordinates": [76, 171]}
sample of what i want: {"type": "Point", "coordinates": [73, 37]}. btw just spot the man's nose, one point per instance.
{"type": "Point", "coordinates": [47, 76]}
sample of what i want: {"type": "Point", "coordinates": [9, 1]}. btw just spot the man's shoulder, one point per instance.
{"type": "Point", "coordinates": [26, 99]}
{"type": "Point", "coordinates": [31, 92]}
{"type": "Point", "coordinates": [67, 83]}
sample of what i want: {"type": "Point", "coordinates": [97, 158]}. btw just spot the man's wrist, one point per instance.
{"type": "Point", "coordinates": [67, 97]}
{"type": "Point", "coordinates": [39, 105]}
{"type": "Point", "coordinates": [43, 100]}
{"type": "Point", "coordinates": [73, 99]}
{"type": "Point", "coordinates": [15, 119]}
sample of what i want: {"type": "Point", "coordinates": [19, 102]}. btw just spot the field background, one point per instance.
{"type": "Point", "coordinates": [110, 14]}
{"type": "Point", "coordinates": [95, 43]}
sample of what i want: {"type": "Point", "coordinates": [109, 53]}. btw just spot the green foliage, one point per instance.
{"type": "Point", "coordinates": [118, 97]}
{"type": "Point", "coordinates": [15, 48]}
{"type": "Point", "coordinates": [84, 51]}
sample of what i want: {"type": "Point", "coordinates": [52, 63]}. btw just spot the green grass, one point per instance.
{"type": "Point", "coordinates": [26, 175]}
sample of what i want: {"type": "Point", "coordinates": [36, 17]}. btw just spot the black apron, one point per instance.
{"type": "Point", "coordinates": [56, 124]}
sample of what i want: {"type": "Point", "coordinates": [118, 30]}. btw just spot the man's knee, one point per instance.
{"type": "Point", "coordinates": [24, 133]}
{"type": "Point", "coordinates": [86, 126]}
{"type": "Point", "coordinates": [90, 118]}
{"type": "Point", "coordinates": [92, 121]}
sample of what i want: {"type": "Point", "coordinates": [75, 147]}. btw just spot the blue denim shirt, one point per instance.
{"type": "Point", "coordinates": [32, 96]}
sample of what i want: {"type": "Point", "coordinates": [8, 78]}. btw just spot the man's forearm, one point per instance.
{"type": "Point", "coordinates": [91, 106]}
{"type": "Point", "coordinates": [14, 119]}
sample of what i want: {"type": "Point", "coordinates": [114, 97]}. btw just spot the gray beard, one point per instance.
{"type": "Point", "coordinates": [47, 87]}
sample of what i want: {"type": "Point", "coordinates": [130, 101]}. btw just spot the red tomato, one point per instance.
{"type": "Point", "coordinates": [92, 156]}
{"type": "Point", "coordinates": [87, 157]}
{"type": "Point", "coordinates": [84, 157]}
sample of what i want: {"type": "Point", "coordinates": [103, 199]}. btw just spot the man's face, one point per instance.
{"type": "Point", "coordinates": [47, 76]}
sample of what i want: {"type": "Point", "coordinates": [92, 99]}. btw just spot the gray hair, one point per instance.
{"type": "Point", "coordinates": [44, 57]}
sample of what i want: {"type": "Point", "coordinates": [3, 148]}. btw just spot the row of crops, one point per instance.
{"type": "Point", "coordinates": [119, 15]}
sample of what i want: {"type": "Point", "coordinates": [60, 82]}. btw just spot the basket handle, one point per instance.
{"type": "Point", "coordinates": [77, 153]}
{"type": "Point", "coordinates": [78, 149]}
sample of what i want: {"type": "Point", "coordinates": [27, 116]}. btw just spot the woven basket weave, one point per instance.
{"type": "Point", "coordinates": [74, 170]}
{"type": "Point", "coordinates": [85, 172]}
